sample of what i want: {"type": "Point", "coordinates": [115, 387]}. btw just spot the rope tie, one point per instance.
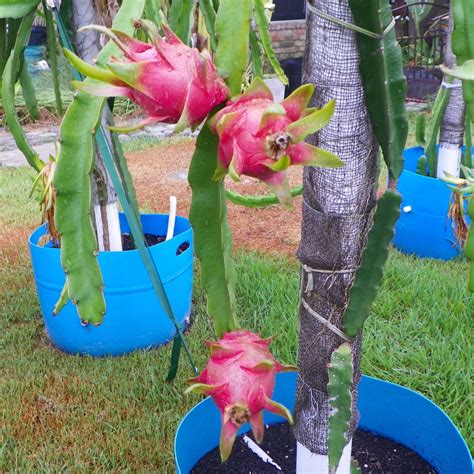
{"type": "Point", "coordinates": [309, 273]}
{"type": "Point", "coordinates": [325, 322]}
{"type": "Point", "coordinates": [351, 26]}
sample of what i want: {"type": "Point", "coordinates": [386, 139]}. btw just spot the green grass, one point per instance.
{"type": "Point", "coordinates": [142, 143]}
{"type": "Point", "coordinates": [62, 412]}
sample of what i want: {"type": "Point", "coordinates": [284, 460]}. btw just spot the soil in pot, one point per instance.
{"type": "Point", "coordinates": [374, 454]}
{"type": "Point", "coordinates": [151, 239]}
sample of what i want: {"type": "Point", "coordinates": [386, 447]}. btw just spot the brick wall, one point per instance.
{"type": "Point", "coordinates": [289, 38]}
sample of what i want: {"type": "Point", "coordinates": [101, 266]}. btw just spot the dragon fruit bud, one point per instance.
{"type": "Point", "coordinates": [170, 81]}
{"type": "Point", "coordinates": [262, 139]}
{"type": "Point", "coordinates": [240, 377]}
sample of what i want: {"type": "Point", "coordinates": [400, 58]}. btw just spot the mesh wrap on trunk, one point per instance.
{"type": "Point", "coordinates": [337, 215]}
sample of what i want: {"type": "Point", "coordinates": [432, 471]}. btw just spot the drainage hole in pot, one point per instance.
{"type": "Point", "coordinates": [182, 248]}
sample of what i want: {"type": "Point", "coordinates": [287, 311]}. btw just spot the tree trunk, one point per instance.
{"type": "Point", "coordinates": [104, 196]}
{"type": "Point", "coordinates": [337, 215]}
{"type": "Point", "coordinates": [452, 127]}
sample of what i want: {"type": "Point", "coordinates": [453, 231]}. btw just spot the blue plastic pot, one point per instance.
{"type": "Point", "coordinates": [385, 408]}
{"type": "Point", "coordinates": [423, 228]}
{"type": "Point", "coordinates": [134, 318]}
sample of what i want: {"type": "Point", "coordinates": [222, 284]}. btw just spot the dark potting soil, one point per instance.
{"type": "Point", "coordinates": [127, 242]}
{"type": "Point", "coordinates": [374, 454]}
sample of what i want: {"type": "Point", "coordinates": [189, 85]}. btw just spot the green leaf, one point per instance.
{"type": "Point", "coordinates": [463, 44]}
{"type": "Point", "coordinates": [232, 31]}
{"type": "Point", "coordinates": [185, 21]}
{"type": "Point", "coordinates": [175, 11]}
{"type": "Point", "coordinates": [28, 92]}
{"type": "Point", "coordinates": [209, 14]}
{"type": "Point", "coordinates": [370, 272]}
{"type": "Point", "coordinates": [418, 11]}
{"type": "Point", "coordinates": [467, 153]}
{"type": "Point", "coordinates": [256, 55]}
{"type": "Point", "coordinates": [9, 78]}
{"type": "Point", "coordinates": [469, 245]}
{"type": "Point", "coordinates": [422, 166]}
{"type": "Point", "coordinates": [420, 130]}
{"type": "Point", "coordinates": [439, 107]}
{"type": "Point", "coordinates": [464, 72]}
{"type": "Point", "coordinates": [383, 80]}
{"type": "Point", "coordinates": [72, 181]}
{"type": "Point", "coordinates": [213, 241]}
{"type": "Point", "coordinates": [180, 18]}
{"type": "Point", "coordinates": [340, 373]}
{"type": "Point", "coordinates": [53, 56]}
{"type": "Point", "coordinates": [16, 8]}
{"type": "Point", "coordinates": [262, 23]}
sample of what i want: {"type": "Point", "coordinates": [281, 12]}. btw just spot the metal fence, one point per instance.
{"type": "Point", "coordinates": [423, 46]}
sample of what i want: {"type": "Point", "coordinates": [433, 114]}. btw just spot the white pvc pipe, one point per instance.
{"type": "Point", "coordinates": [310, 463]}
{"type": "Point", "coordinates": [255, 448]}
{"type": "Point", "coordinates": [113, 224]}
{"type": "Point", "coordinates": [171, 218]}
{"type": "Point", "coordinates": [449, 160]}
{"type": "Point", "coordinates": [115, 233]}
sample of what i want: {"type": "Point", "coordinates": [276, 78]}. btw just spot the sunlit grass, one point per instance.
{"type": "Point", "coordinates": [62, 412]}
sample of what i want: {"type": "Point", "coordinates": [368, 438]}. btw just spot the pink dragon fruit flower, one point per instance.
{"type": "Point", "coordinates": [170, 81]}
{"type": "Point", "coordinates": [240, 377]}
{"type": "Point", "coordinates": [261, 139]}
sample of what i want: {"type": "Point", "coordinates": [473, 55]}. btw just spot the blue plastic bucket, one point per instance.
{"type": "Point", "coordinates": [385, 408]}
{"type": "Point", "coordinates": [33, 55]}
{"type": "Point", "coordinates": [134, 318]}
{"type": "Point", "coordinates": [423, 228]}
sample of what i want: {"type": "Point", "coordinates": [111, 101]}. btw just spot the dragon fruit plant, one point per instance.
{"type": "Point", "coordinates": [176, 83]}
{"type": "Point", "coordinates": [250, 135]}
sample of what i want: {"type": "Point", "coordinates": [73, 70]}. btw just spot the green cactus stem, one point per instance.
{"type": "Point", "coordinates": [340, 372]}
{"type": "Point", "coordinates": [259, 201]}
{"type": "Point", "coordinates": [10, 75]}
{"type": "Point", "coordinates": [17, 8]}
{"type": "Point", "coordinates": [383, 79]}
{"type": "Point", "coordinates": [72, 181]}
{"type": "Point", "coordinates": [213, 240]}
{"type": "Point", "coordinates": [369, 274]}
{"type": "Point", "coordinates": [262, 21]}
{"type": "Point", "coordinates": [463, 44]}
{"type": "Point", "coordinates": [232, 31]}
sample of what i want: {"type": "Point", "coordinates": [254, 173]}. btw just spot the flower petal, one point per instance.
{"type": "Point", "coordinates": [281, 164]}
{"type": "Point", "coordinates": [257, 90]}
{"type": "Point", "coordinates": [296, 102]}
{"type": "Point", "coordinates": [138, 126]}
{"type": "Point", "coordinates": [305, 126]}
{"type": "Point", "coordinates": [130, 73]}
{"type": "Point", "coordinates": [277, 408]}
{"type": "Point", "coordinates": [88, 70]}
{"type": "Point", "coordinates": [228, 434]}
{"type": "Point", "coordinates": [256, 422]}
{"type": "Point", "coordinates": [309, 155]}
{"type": "Point", "coordinates": [101, 90]}
{"type": "Point", "coordinates": [278, 183]}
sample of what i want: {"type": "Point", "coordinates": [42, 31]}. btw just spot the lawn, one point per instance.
{"type": "Point", "coordinates": [62, 412]}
